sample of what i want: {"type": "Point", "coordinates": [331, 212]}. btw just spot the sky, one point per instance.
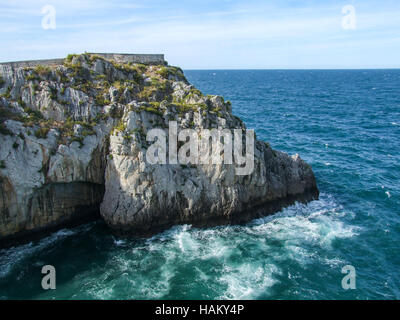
{"type": "Point", "coordinates": [209, 34]}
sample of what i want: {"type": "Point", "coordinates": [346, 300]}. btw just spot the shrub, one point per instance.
{"type": "Point", "coordinates": [2, 82]}
{"type": "Point", "coordinates": [94, 57]}
{"type": "Point", "coordinates": [101, 101]}
{"type": "Point", "coordinates": [2, 164]}
{"type": "Point", "coordinates": [41, 133]}
{"type": "Point", "coordinates": [146, 93]}
{"type": "Point", "coordinates": [120, 127]}
{"type": "Point", "coordinates": [31, 77]}
{"type": "Point", "coordinates": [163, 72]}
{"type": "Point", "coordinates": [33, 115]}
{"type": "Point", "coordinates": [99, 117]}
{"type": "Point", "coordinates": [155, 104]}
{"type": "Point", "coordinates": [128, 138]}
{"type": "Point", "coordinates": [42, 70]}
{"type": "Point", "coordinates": [7, 94]}
{"type": "Point", "coordinates": [70, 57]}
{"type": "Point", "coordinates": [176, 71]}
{"type": "Point", "coordinates": [21, 103]}
{"type": "Point", "coordinates": [15, 145]}
{"type": "Point", "coordinates": [135, 69]}
{"type": "Point", "coordinates": [53, 93]}
{"type": "Point", "coordinates": [35, 87]}
{"type": "Point", "coordinates": [87, 128]}
{"type": "Point", "coordinates": [153, 110]}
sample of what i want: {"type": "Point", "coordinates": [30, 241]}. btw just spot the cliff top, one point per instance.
{"type": "Point", "coordinates": [153, 59]}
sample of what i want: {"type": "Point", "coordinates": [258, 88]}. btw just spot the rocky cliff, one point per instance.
{"type": "Point", "coordinates": [73, 144]}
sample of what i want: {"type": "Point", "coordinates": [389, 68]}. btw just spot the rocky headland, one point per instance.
{"type": "Point", "coordinates": [73, 147]}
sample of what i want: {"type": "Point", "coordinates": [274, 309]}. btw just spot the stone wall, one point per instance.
{"type": "Point", "coordinates": [119, 57]}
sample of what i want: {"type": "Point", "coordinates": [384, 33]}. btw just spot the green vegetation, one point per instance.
{"type": "Point", "coordinates": [128, 137]}
{"type": "Point", "coordinates": [155, 104]}
{"type": "Point", "coordinates": [7, 94]}
{"type": "Point", "coordinates": [92, 58]}
{"type": "Point", "coordinates": [153, 110]}
{"type": "Point", "coordinates": [2, 82]}
{"type": "Point", "coordinates": [2, 164]}
{"type": "Point", "coordinates": [42, 71]}
{"type": "Point", "coordinates": [129, 83]}
{"type": "Point", "coordinates": [38, 72]}
{"type": "Point", "coordinates": [152, 107]}
{"type": "Point", "coordinates": [53, 93]}
{"type": "Point", "coordinates": [99, 117]}
{"type": "Point", "coordinates": [157, 90]}
{"type": "Point", "coordinates": [176, 71]}
{"type": "Point", "coordinates": [101, 77]}
{"type": "Point", "coordinates": [15, 145]}
{"type": "Point", "coordinates": [21, 102]}
{"type": "Point", "coordinates": [78, 72]}
{"type": "Point", "coordinates": [140, 132]}
{"type": "Point", "coordinates": [135, 69]}
{"type": "Point", "coordinates": [35, 87]}
{"type": "Point", "coordinates": [32, 77]}
{"type": "Point", "coordinates": [67, 133]}
{"type": "Point", "coordinates": [101, 101]}
{"type": "Point", "coordinates": [88, 129]}
{"type": "Point", "coordinates": [122, 86]}
{"type": "Point", "coordinates": [69, 58]}
{"type": "Point", "coordinates": [194, 91]}
{"type": "Point", "coordinates": [41, 133]}
{"type": "Point", "coordinates": [34, 116]}
{"type": "Point", "coordinates": [120, 127]}
{"type": "Point", "coordinates": [163, 72]}
{"type": "Point", "coordinates": [147, 93]}
{"type": "Point", "coordinates": [62, 76]}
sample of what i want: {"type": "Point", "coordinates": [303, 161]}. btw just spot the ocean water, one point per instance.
{"type": "Point", "coordinates": [346, 124]}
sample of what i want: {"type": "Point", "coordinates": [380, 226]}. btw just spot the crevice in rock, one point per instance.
{"type": "Point", "coordinates": [60, 205]}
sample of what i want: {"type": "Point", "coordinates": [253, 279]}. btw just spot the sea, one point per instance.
{"type": "Point", "coordinates": [344, 123]}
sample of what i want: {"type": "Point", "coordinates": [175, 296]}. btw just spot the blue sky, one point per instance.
{"type": "Point", "coordinates": [207, 34]}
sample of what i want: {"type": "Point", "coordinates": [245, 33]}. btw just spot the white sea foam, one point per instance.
{"type": "Point", "coordinates": [233, 262]}
{"type": "Point", "coordinates": [11, 257]}
{"type": "Point", "coordinates": [248, 281]}
{"type": "Point", "coordinates": [119, 242]}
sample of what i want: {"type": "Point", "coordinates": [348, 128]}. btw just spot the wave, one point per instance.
{"type": "Point", "coordinates": [226, 262]}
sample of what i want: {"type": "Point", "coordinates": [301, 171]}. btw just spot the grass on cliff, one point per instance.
{"type": "Point", "coordinates": [81, 76]}
{"type": "Point", "coordinates": [7, 94]}
{"type": "Point", "coordinates": [41, 133]}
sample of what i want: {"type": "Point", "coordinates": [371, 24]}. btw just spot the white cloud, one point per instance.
{"type": "Point", "coordinates": [215, 38]}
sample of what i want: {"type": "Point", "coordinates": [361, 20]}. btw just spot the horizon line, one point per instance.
{"type": "Point", "coordinates": [291, 69]}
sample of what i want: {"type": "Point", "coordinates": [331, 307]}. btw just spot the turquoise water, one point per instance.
{"type": "Point", "coordinates": [346, 124]}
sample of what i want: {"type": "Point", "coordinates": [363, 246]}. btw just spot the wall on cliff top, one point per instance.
{"type": "Point", "coordinates": [118, 57]}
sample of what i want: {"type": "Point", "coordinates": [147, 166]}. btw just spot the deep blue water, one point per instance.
{"type": "Point", "coordinates": [346, 124]}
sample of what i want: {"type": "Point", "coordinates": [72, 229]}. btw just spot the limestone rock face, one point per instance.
{"type": "Point", "coordinates": [73, 143]}
{"type": "Point", "coordinates": [143, 199]}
